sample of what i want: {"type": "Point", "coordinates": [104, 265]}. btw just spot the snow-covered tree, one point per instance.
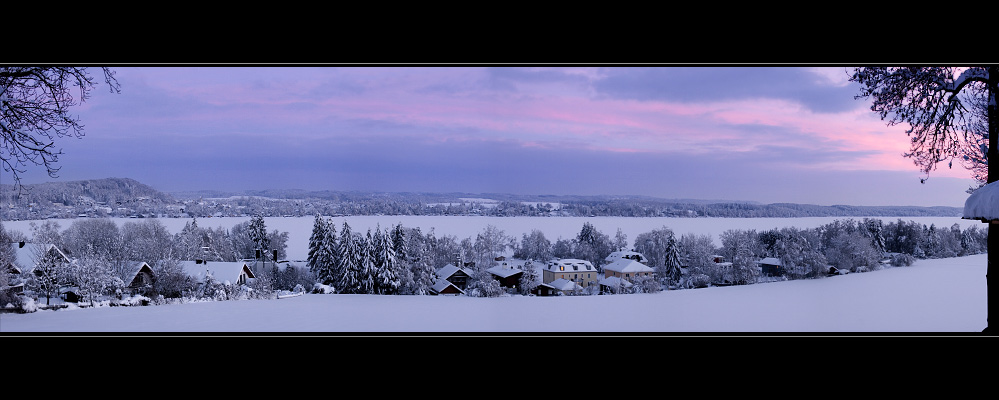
{"type": "Point", "coordinates": [48, 231]}
{"type": "Point", "coordinates": [94, 277]}
{"type": "Point", "coordinates": [741, 247]}
{"type": "Point", "coordinates": [50, 273]}
{"type": "Point", "coordinates": [367, 273]}
{"type": "Point", "coordinates": [189, 241]}
{"type": "Point", "coordinates": [799, 253]}
{"type": "Point", "coordinates": [386, 268]}
{"type": "Point", "coordinates": [322, 260]}
{"type": "Point", "coordinates": [170, 280]}
{"type": "Point", "coordinates": [853, 252]}
{"type": "Point", "coordinates": [654, 245]}
{"type": "Point", "coordinates": [534, 246]}
{"type": "Point", "coordinates": [593, 246]}
{"type": "Point", "coordinates": [491, 243]}
{"type": "Point", "coordinates": [620, 240]}
{"type": "Point", "coordinates": [563, 248]}
{"type": "Point", "coordinates": [669, 272]}
{"type": "Point", "coordinates": [258, 233]}
{"type": "Point", "coordinates": [422, 274]}
{"type": "Point", "coordinates": [146, 240]}
{"type": "Point", "coordinates": [484, 284]}
{"type": "Point", "coordinates": [874, 229]}
{"type": "Point", "coordinates": [399, 243]}
{"type": "Point", "coordinates": [349, 256]}
{"type": "Point", "coordinates": [530, 278]}
{"type": "Point", "coordinates": [315, 241]}
{"type": "Point", "coordinates": [695, 253]}
{"type": "Point", "coordinates": [95, 238]}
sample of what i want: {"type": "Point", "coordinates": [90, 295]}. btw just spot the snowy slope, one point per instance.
{"type": "Point", "coordinates": [932, 296]}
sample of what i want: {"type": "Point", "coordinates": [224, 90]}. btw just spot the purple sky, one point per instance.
{"type": "Point", "coordinates": [782, 134]}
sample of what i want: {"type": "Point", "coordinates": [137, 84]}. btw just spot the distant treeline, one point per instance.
{"type": "Point", "coordinates": [122, 197]}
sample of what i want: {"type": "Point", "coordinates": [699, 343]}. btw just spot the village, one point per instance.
{"type": "Point", "coordinates": [559, 277]}
{"type": "Point", "coordinates": [96, 262]}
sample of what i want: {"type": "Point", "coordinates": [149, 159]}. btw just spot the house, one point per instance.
{"type": "Point", "coordinates": [26, 258]}
{"type": "Point", "coordinates": [139, 276]}
{"type": "Point", "coordinates": [630, 255]}
{"type": "Point", "coordinates": [771, 266]}
{"type": "Point", "coordinates": [233, 273]}
{"type": "Point", "coordinates": [627, 268]}
{"type": "Point", "coordinates": [544, 289]}
{"type": "Point", "coordinates": [457, 276]}
{"type": "Point", "coordinates": [508, 272]}
{"type": "Point", "coordinates": [580, 271]}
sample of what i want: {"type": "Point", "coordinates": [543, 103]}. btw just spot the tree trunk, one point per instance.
{"type": "Point", "coordinates": [993, 159]}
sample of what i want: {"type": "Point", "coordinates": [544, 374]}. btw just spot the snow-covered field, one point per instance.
{"type": "Point", "coordinates": [932, 296]}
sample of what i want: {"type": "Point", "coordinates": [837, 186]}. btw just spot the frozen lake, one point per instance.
{"type": "Point", "coordinates": [300, 228]}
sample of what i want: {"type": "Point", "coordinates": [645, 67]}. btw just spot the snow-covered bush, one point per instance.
{"type": "Point", "coordinates": [28, 305]}
{"type": "Point", "coordinates": [484, 285]}
{"type": "Point", "coordinates": [130, 301]}
{"type": "Point", "coordinates": [698, 281]}
{"type": "Point", "coordinates": [646, 284]}
{"type": "Point", "coordinates": [902, 260]}
{"type": "Point", "coordinates": [319, 288]}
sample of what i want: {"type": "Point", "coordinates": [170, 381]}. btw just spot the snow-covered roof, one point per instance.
{"type": "Point", "coordinates": [569, 264]}
{"type": "Point", "coordinates": [770, 261]}
{"type": "Point", "coordinates": [132, 268]}
{"type": "Point", "coordinates": [983, 204]}
{"type": "Point", "coordinates": [25, 257]}
{"type": "Point", "coordinates": [625, 254]}
{"type": "Point", "coordinates": [513, 262]}
{"type": "Point", "coordinates": [564, 284]}
{"type": "Point", "coordinates": [221, 270]}
{"type": "Point", "coordinates": [503, 271]}
{"type": "Point", "coordinates": [448, 270]}
{"type": "Point", "coordinates": [614, 281]}
{"type": "Point", "coordinates": [627, 265]}
{"type": "Point", "coordinates": [442, 284]}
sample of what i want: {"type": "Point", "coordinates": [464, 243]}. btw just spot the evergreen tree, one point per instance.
{"type": "Point", "coordinates": [671, 272]}
{"type": "Point", "coordinates": [366, 271]}
{"type": "Point", "coordinates": [399, 243]}
{"type": "Point", "coordinates": [347, 279]}
{"type": "Point", "coordinates": [258, 233]}
{"type": "Point", "coordinates": [386, 266]}
{"type": "Point", "coordinates": [315, 246]}
{"type": "Point", "coordinates": [328, 255]}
